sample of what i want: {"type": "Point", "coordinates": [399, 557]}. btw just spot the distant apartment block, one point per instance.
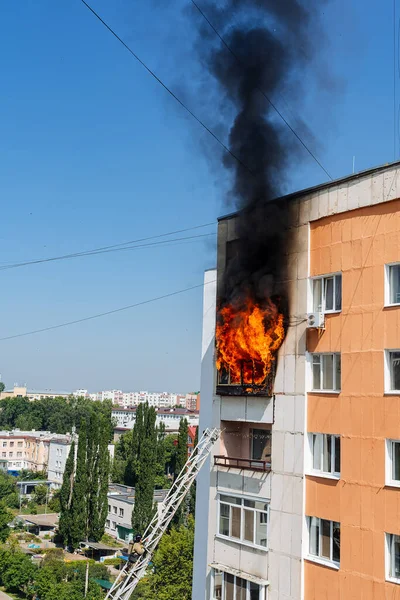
{"type": "Point", "coordinates": [300, 500]}
{"type": "Point", "coordinates": [121, 500]}
{"type": "Point", "coordinates": [24, 392]}
{"type": "Point", "coordinates": [59, 448]}
{"type": "Point", "coordinates": [125, 417]}
{"type": "Point", "coordinates": [28, 449]}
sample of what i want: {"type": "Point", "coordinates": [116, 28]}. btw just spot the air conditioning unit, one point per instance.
{"type": "Point", "coordinates": [316, 320]}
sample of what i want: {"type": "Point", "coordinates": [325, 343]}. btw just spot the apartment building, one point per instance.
{"type": "Point", "coordinates": [59, 448]}
{"type": "Point", "coordinates": [301, 495]}
{"type": "Point", "coordinates": [121, 501]}
{"type": "Point", "coordinates": [23, 392]}
{"type": "Point", "coordinates": [27, 449]}
{"type": "Point", "coordinates": [126, 417]}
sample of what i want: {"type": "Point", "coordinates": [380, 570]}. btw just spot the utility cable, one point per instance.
{"type": "Point", "coordinates": [152, 73]}
{"type": "Point", "coordinates": [112, 248]}
{"type": "Point", "coordinates": [104, 314]}
{"type": "Point", "coordinates": [260, 90]}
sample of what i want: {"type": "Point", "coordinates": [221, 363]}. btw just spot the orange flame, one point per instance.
{"type": "Point", "coordinates": [248, 339]}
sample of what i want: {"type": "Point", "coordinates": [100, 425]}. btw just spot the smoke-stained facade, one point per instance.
{"type": "Point", "coordinates": [281, 500]}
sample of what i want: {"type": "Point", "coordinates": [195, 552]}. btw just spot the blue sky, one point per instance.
{"type": "Point", "coordinates": [94, 152]}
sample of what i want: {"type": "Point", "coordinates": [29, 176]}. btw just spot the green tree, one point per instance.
{"type": "Point", "coordinates": [145, 442]}
{"type": "Point", "coordinates": [9, 494]}
{"type": "Point", "coordinates": [78, 525]}
{"type": "Point", "coordinates": [6, 516]}
{"type": "Point", "coordinates": [180, 460]}
{"type": "Point", "coordinates": [161, 480]}
{"type": "Point", "coordinates": [171, 576]}
{"type": "Point", "coordinates": [2, 386]}
{"type": "Point", "coordinates": [98, 479]}
{"type": "Point", "coordinates": [40, 493]}
{"type": "Point", "coordinates": [54, 502]}
{"type": "Point", "coordinates": [17, 572]}
{"type": "Point", "coordinates": [66, 496]}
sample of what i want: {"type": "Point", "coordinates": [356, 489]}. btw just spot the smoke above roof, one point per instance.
{"type": "Point", "coordinates": [267, 45]}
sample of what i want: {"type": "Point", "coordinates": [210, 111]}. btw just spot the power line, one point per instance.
{"type": "Point", "coordinates": [104, 314]}
{"type": "Point", "coordinates": [114, 247]}
{"type": "Point", "coordinates": [191, 113]}
{"type": "Point", "coordinates": [261, 91]}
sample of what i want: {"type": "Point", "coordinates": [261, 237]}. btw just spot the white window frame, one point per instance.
{"type": "Point", "coordinates": [388, 302]}
{"type": "Point", "coordinates": [322, 559]}
{"type": "Point", "coordinates": [389, 559]}
{"type": "Point", "coordinates": [263, 588]}
{"type": "Point", "coordinates": [242, 541]}
{"type": "Point", "coordinates": [311, 356]}
{"type": "Point", "coordinates": [332, 474]}
{"type": "Point", "coordinates": [389, 464]}
{"type": "Point", "coordinates": [323, 278]}
{"type": "Point", "coordinates": [387, 372]}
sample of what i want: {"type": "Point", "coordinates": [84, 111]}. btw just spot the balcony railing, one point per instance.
{"type": "Point", "coordinates": [243, 463]}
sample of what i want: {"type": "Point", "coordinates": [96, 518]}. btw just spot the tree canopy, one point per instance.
{"type": "Point", "coordinates": [57, 415]}
{"type": "Point", "coordinates": [171, 575]}
{"type": "Point", "coordinates": [83, 494]}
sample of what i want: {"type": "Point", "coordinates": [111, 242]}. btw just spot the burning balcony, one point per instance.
{"type": "Point", "coordinates": [244, 380]}
{"type": "Point", "coordinates": [248, 338]}
{"type": "Point", "coordinates": [245, 446]}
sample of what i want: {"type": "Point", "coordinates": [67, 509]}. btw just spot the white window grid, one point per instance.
{"type": "Point", "coordinates": [319, 557]}
{"type": "Point", "coordinates": [317, 358]}
{"type": "Point", "coordinates": [390, 464]}
{"type": "Point", "coordinates": [319, 444]}
{"type": "Point", "coordinates": [389, 273]}
{"type": "Point", "coordinates": [319, 285]}
{"type": "Point", "coordinates": [392, 566]}
{"type": "Point", "coordinates": [242, 507]}
{"type": "Point", "coordinates": [236, 596]}
{"type": "Point", "coordinates": [390, 363]}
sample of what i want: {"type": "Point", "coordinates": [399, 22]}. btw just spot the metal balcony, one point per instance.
{"type": "Point", "coordinates": [243, 463]}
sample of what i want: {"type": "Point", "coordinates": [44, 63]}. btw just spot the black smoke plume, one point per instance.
{"type": "Point", "coordinates": [269, 44]}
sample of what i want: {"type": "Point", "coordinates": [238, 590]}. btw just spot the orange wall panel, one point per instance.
{"type": "Point", "coordinates": [358, 243]}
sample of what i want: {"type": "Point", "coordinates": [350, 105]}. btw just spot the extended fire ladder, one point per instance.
{"type": "Point", "coordinates": [130, 575]}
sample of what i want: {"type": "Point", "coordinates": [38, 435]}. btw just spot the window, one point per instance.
{"type": "Point", "coordinates": [10, 454]}
{"type": "Point", "coordinates": [11, 444]}
{"type": "Point", "coordinates": [231, 587]}
{"type": "Point", "coordinates": [326, 372]}
{"type": "Point", "coordinates": [113, 525]}
{"type": "Point", "coordinates": [108, 523]}
{"type": "Point", "coordinates": [324, 539]}
{"type": "Point", "coordinates": [109, 508]}
{"type": "Point", "coordinates": [19, 444]}
{"type": "Point", "coordinates": [327, 293]}
{"type": "Point", "coordinates": [114, 510]}
{"type": "Point", "coordinates": [4, 444]}
{"type": "Point", "coordinates": [393, 557]}
{"type": "Point", "coordinates": [4, 454]}
{"type": "Point", "coordinates": [260, 444]}
{"type": "Point", "coordinates": [19, 454]}
{"type": "Point", "coordinates": [244, 520]}
{"type": "Point", "coordinates": [392, 371]}
{"type": "Point", "coordinates": [393, 462]}
{"type": "Point", "coordinates": [121, 512]}
{"type": "Point", "coordinates": [392, 285]}
{"type": "Point", "coordinates": [325, 451]}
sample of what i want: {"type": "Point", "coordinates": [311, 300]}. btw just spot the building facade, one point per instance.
{"type": "Point", "coordinates": [121, 501]}
{"type": "Point", "coordinates": [23, 392]}
{"type": "Point", "coordinates": [301, 495]}
{"type": "Point", "coordinates": [126, 417]}
{"type": "Point", "coordinates": [28, 449]}
{"type": "Point", "coordinates": [59, 448]}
